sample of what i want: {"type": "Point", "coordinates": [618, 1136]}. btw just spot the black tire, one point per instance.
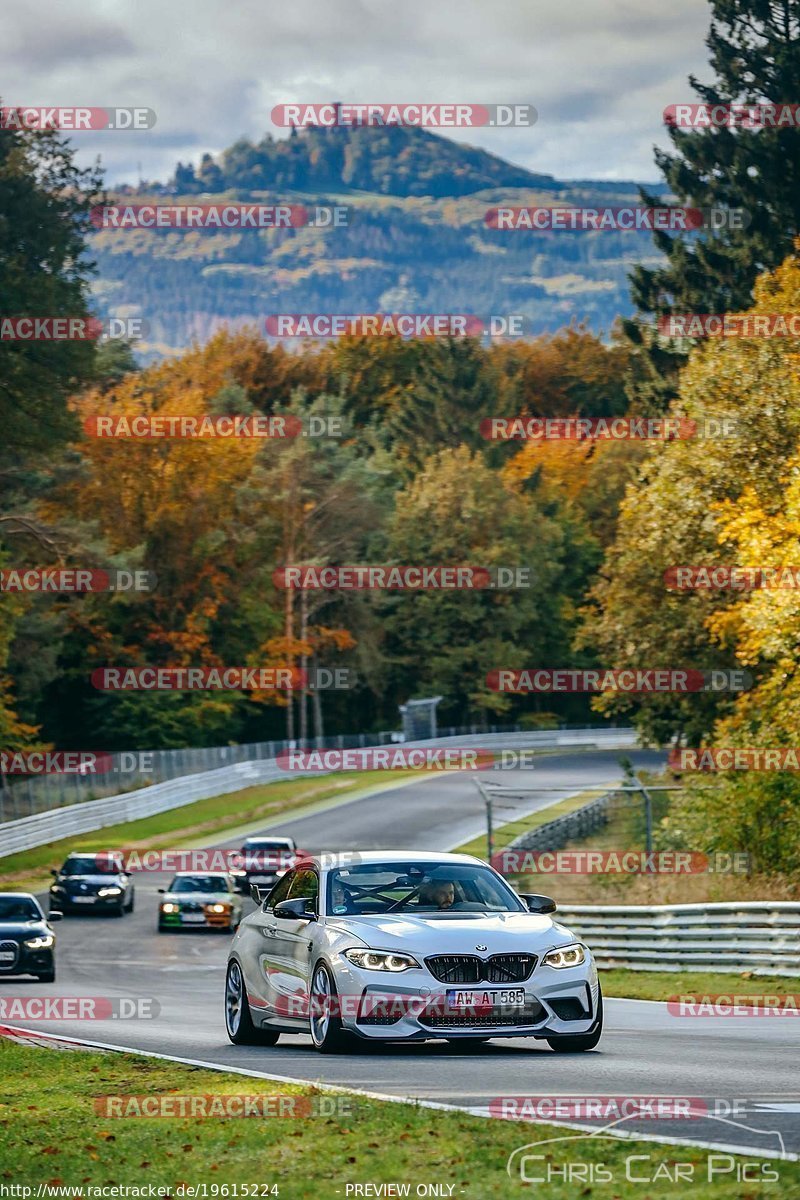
{"type": "Point", "coordinates": [238, 1018]}
{"type": "Point", "coordinates": [119, 911]}
{"type": "Point", "coordinates": [132, 902]}
{"type": "Point", "coordinates": [325, 1024]}
{"type": "Point", "coordinates": [577, 1043]}
{"type": "Point", "coordinates": [47, 977]}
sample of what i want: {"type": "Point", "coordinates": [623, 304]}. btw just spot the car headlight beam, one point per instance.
{"type": "Point", "coordinates": [380, 960]}
{"type": "Point", "coordinates": [565, 956]}
{"type": "Point", "coordinates": [169, 908]}
{"type": "Point", "coordinates": [41, 943]}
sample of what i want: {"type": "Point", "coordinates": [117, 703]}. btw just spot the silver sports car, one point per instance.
{"type": "Point", "coordinates": [405, 946]}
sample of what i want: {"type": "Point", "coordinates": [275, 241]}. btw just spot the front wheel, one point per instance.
{"type": "Point", "coordinates": [575, 1043]}
{"type": "Point", "coordinates": [47, 977]}
{"type": "Point", "coordinates": [238, 1018]}
{"type": "Point", "coordinates": [130, 905]}
{"type": "Point", "coordinates": [325, 1023]}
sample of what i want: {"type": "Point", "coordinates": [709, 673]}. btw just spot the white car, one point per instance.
{"type": "Point", "coordinates": [407, 946]}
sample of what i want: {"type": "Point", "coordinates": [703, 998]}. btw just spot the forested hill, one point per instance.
{"type": "Point", "coordinates": [416, 240]}
{"type": "Point", "coordinates": [392, 161]}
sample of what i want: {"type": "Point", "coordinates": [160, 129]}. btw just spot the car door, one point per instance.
{"type": "Point", "coordinates": [294, 942]}
{"type": "Point", "coordinates": [257, 946]}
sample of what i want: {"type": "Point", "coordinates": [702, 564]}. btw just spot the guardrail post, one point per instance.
{"type": "Point", "coordinates": [648, 815]}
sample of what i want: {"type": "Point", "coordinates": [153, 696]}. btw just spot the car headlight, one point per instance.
{"type": "Point", "coordinates": [280, 874]}
{"type": "Point", "coordinates": [219, 907]}
{"type": "Point", "coordinates": [238, 872]}
{"type": "Point", "coordinates": [380, 960]}
{"type": "Point", "coordinates": [41, 943]}
{"type": "Point", "coordinates": [565, 956]}
{"type": "Point", "coordinates": [110, 891]}
{"type": "Point", "coordinates": [169, 908]}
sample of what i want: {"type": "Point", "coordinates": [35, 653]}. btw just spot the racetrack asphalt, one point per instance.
{"type": "Point", "coordinates": [745, 1068]}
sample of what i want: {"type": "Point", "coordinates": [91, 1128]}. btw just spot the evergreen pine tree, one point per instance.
{"type": "Point", "coordinates": [755, 54]}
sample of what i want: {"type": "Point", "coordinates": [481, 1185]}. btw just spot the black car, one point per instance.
{"type": "Point", "coordinates": [27, 943]}
{"type": "Point", "coordinates": [264, 860]}
{"type": "Point", "coordinates": [92, 883]}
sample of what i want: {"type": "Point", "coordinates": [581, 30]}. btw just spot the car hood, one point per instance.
{"type": "Point", "coordinates": [198, 897]}
{"type": "Point", "coordinates": [457, 933]}
{"type": "Point", "coordinates": [24, 929]}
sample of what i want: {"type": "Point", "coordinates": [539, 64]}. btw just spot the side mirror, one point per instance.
{"type": "Point", "coordinates": [54, 872]}
{"type": "Point", "coordinates": [538, 904]}
{"type": "Point", "coordinates": [55, 916]}
{"type": "Point", "coordinates": [295, 910]}
{"type": "Point", "coordinates": [259, 894]}
{"type": "Point", "coordinates": [162, 891]}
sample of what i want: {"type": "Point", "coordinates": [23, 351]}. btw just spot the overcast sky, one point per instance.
{"type": "Point", "coordinates": [599, 72]}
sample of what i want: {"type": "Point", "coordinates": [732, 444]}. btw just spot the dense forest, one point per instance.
{"type": "Point", "coordinates": [408, 477]}
{"type": "Point", "coordinates": [415, 240]}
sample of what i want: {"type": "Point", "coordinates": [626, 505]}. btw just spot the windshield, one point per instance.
{"type": "Point", "coordinates": [199, 883]}
{"type": "Point", "coordinates": [90, 865]}
{"type": "Point", "coordinates": [260, 844]}
{"type": "Point", "coordinates": [429, 887]}
{"type": "Point", "coordinates": [19, 908]}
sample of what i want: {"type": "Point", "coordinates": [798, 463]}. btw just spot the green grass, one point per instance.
{"type": "Point", "coordinates": [660, 985]}
{"type": "Point", "coordinates": [197, 821]}
{"type": "Point", "coordinates": [53, 1134]}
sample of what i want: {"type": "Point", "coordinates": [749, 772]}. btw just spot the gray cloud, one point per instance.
{"type": "Point", "coordinates": [600, 75]}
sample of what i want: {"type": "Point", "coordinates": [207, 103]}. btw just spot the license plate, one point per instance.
{"type": "Point", "coordinates": [262, 878]}
{"type": "Point", "coordinates": [481, 998]}
{"type": "Point", "coordinates": [7, 956]}
{"type": "Point", "coordinates": [83, 899]}
{"type": "Point", "coordinates": [193, 918]}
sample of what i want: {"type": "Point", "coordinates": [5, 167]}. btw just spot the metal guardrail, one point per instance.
{"type": "Point", "coordinates": [554, 834]}
{"type": "Point", "coordinates": [130, 770]}
{"type": "Point", "coordinates": [91, 815]}
{"type": "Point", "coordinates": [762, 937]}
{"type": "Point", "coordinates": [77, 819]}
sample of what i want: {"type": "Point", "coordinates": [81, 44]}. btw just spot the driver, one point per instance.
{"type": "Point", "coordinates": [439, 893]}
